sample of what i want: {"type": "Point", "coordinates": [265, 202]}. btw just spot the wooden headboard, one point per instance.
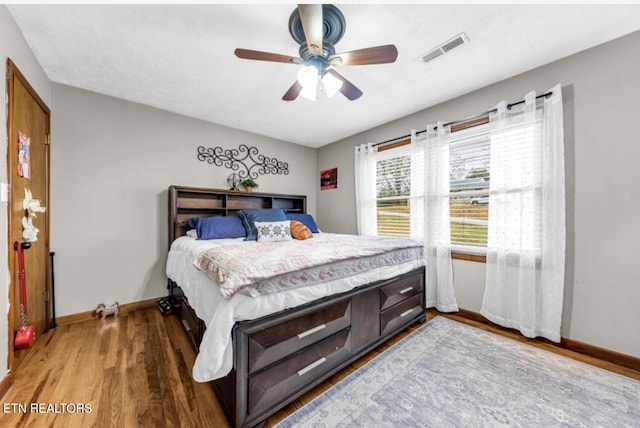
{"type": "Point", "coordinates": [187, 202]}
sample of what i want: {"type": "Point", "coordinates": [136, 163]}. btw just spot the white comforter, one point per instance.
{"type": "Point", "coordinates": [215, 358]}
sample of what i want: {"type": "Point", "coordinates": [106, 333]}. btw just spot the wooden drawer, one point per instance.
{"type": "Point", "coordinates": [401, 290]}
{"type": "Point", "coordinates": [283, 380]}
{"type": "Point", "coordinates": [274, 343]}
{"type": "Point", "coordinates": [401, 314]}
{"type": "Point", "coordinates": [191, 323]}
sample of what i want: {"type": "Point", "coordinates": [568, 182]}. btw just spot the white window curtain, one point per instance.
{"type": "Point", "coordinates": [365, 170]}
{"type": "Point", "coordinates": [437, 224]}
{"type": "Point", "coordinates": [418, 181]}
{"type": "Point", "coordinates": [526, 232]}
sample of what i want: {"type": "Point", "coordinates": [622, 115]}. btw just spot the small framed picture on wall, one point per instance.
{"type": "Point", "coordinates": [329, 179]}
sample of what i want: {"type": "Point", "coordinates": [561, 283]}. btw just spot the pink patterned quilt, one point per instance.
{"type": "Point", "coordinates": [257, 268]}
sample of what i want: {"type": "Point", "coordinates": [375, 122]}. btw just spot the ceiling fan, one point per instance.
{"type": "Point", "coordinates": [317, 28]}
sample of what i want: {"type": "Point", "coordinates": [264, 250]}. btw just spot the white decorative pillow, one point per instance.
{"type": "Point", "coordinates": [192, 233]}
{"type": "Point", "coordinates": [273, 231]}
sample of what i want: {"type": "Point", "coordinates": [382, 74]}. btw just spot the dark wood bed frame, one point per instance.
{"type": "Point", "coordinates": [279, 357]}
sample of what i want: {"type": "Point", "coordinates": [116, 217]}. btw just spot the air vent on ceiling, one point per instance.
{"type": "Point", "coordinates": [458, 40]}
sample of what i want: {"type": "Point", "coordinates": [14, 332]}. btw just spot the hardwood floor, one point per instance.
{"type": "Point", "coordinates": [129, 371]}
{"type": "Point", "coordinates": [135, 371]}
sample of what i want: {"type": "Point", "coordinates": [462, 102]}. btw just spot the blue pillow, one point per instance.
{"type": "Point", "coordinates": [305, 219]}
{"type": "Point", "coordinates": [250, 216]}
{"type": "Point", "coordinates": [219, 227]}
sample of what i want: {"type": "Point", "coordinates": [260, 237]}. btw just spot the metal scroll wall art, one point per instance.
{"type": "Point", "coordinates": [245, 160]}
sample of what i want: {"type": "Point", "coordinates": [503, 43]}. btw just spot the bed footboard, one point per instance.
{"type": "Point", "coordinates": [280, 357]}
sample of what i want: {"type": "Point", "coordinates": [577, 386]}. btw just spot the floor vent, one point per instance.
{"type": "Point", "coordinates": [458, 40]}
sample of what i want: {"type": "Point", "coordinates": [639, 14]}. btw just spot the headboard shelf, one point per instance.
{"type": "Point", "coordinates": [188, 202]}
{"type": "Point", "coordinates": [238, 202]}
{"type": "Point", "coordinates": [200, 203]}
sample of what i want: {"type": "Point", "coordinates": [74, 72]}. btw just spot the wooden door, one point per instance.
{"type": "Point", "coordinates": [28, 118]}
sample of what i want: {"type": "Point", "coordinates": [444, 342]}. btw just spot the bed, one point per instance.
{"type": "Point", "coordinates": [263, 339]}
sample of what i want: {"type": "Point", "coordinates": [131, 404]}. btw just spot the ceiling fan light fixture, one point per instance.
{"type": "Point", "coordinates": [308, 76]}
{"type": "Point", "coordinates": [317, 28]}
{"type": "Point", "coordinates": [331, 84]}
{"type": "Point", "coordinates": [309, 93]}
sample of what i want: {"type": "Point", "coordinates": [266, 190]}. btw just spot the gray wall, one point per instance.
{"type": "Point", "coordinates": [111, 164]}
{"type": "Point", "coordinates": [13, 46]}
{"type": "Point", "coordinates": [600, 92]}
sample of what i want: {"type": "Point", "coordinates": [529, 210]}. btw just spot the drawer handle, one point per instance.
{"type": "Point", "coordinates": [185, 325]}
{"type": "Point", "coordinates": [311, 366]}
{"type": "Point", "coordinates": [406, 290]}
{"type": "Point", "coordinates": [311, 331]}
{"type": "Point", "coordinates": [405, 313]}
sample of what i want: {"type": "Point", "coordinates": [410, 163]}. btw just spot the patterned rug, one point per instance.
{"type": "Point", "coordinates": [448, 374]}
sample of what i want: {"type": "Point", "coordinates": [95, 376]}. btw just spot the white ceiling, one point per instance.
{"type": "Point", "coordinates": [181, 58]}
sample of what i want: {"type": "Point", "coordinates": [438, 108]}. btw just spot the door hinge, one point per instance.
{"type": "Point", "coordinates": [47, 139]}
{"type": "Point", "coordinates": [46, 296]}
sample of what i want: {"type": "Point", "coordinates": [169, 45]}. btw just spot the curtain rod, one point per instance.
{"type": "Point", "coordinates": [493, 110]}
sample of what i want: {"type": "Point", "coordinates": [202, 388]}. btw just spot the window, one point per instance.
{"type": "Point", "coordinates": [460, 163]}
{"type": "Point", "coordinates": [468, 198]}
{"type": "Point", "coordinates": [393, 188]}
{"type": "Point", "coordinates": [469, 188]}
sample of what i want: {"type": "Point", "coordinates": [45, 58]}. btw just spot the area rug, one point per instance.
{"type": "Point", "coordinates": [448, 374]}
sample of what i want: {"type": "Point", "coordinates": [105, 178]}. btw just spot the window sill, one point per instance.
{"type": "Point", "coordinates": [481, 258]}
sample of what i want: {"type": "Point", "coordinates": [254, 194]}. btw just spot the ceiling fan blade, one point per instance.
{"type": "Point", "coordinates": [311, 19]}
{"type": "Point", "coordinates": [266, 56]}
{"type": "Point", "coordinates": [376, 55]}
{"type": "Point", "coordinates": [347, 89]}
{"type": "Point", "coordinates": [293, 92]}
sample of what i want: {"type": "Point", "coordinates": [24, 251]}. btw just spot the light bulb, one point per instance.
{"type": "Point", "coordinates": [310, 92]}
{"type": "Point", "coordinates": [331, 84]}
{"type": "Point", "coordinates": [308, 76]}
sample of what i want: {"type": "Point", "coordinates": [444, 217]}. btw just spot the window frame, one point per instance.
{"type": "Point", "coordinates": [458, 252]}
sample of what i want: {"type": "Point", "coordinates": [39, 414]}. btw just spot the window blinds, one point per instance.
{"type": "Point", "coordinates": [393, 190]}
{"type": "Point", "coordinates": [469, 186]}
{"type": "Point", "coordinates": [397, 202]}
